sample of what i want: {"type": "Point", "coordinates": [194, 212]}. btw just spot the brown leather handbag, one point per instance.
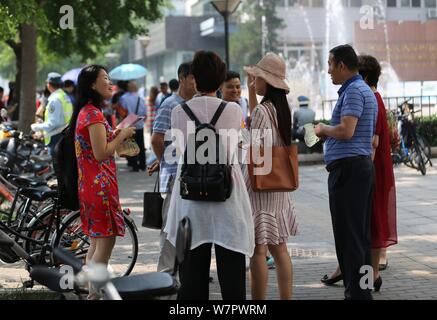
{"type": "Point", "coordinates": [284, 175]}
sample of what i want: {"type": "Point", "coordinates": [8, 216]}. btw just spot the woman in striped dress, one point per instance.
{"type": "Point", "coordinates": [273, 212]}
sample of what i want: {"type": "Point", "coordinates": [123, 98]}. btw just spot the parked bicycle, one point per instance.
{"type": "Point", "coordinates": [151, 285]}
{"type": "Point", "coordinates": [414, 151]}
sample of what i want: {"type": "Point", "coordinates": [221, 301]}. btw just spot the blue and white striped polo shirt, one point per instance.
{"type": "Point", "coordinates": [161, 124]}
{"type": "Point", "coordinates": [355, 99]}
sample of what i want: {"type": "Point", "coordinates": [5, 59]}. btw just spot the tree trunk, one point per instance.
{"type": "Point", "coordinates": [28, 77]}
{"type": "Point", "coordinates": [16, 47]}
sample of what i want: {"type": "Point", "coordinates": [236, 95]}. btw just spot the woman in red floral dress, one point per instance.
{"type": "Point", "coordinates": [100, 210]}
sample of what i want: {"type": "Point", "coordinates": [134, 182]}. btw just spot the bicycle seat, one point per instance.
{"type": "Point", "coordinates": [40, 193]}
{"type": "Point", "coordinates": [145, 286]}
{"type": "Point", "coordinates": [43, 158]}
{"type": "Point", "coordinates": [23, 181]}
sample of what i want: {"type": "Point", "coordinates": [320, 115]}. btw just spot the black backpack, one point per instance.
{"type": "Point", "coordinates": [65, 165]}
{"type": "Point", "coordinates": [208, 181]}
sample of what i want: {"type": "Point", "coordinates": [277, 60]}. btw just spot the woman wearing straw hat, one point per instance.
{"type": "Point", "coordinates": [273, 212]}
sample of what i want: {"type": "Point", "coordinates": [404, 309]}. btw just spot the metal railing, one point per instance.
{"type": "Point", "coordinates": [422, 105]}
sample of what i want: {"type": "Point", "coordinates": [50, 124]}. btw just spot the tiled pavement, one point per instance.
{"type": "Point", "coordinates": [412, 272]}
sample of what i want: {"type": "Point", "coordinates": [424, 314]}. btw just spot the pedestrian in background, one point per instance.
{"type": "Point", "coordinates": [134, 104]}
{"type": "Point", "coordinates": [57, 113]}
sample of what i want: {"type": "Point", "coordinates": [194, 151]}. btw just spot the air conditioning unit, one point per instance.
{"type": "Point", "coordinates": [432, 13]}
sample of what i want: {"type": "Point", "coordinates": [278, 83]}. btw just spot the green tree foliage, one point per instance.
{"type": "Point", "coordinates": [246, 43]}
{"type": "Point", "coordinates": [95, 24]}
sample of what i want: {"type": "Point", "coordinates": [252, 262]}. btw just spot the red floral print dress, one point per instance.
{"type": "Point", "coordinates": [100, 209]}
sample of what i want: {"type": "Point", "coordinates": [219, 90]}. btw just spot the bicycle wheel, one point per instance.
{"type": "Point", "coordinates": [38, 227]}
{"type": "Point", "coordinates": [125, 252]}
{"type": "Point", "coordinates": [426, 149]}
{"type": "Point", "coordinates": [417, 159]}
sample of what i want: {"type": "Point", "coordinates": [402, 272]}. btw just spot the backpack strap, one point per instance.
{"type": "Point", "coordinates": [190, 113]}
{"type": "Point", "coordinates": [218, 113]}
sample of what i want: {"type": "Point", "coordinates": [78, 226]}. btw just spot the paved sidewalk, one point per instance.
{"type": "Point", "coordinates": [412, 272]}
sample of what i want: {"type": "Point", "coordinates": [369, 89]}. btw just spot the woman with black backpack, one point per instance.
{"type": "Point", "coordinates": [100, 210]}
{"type": "Point", "coordinates": [216, 203]}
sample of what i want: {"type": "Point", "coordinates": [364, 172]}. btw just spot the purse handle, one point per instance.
{"type": "Point", "coordinates": [157, 182]}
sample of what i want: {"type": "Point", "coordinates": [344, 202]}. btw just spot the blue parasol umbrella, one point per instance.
{"type": "Point", "coordinates": [71, 75]}
{"type": "Point", "coordinates": [128, 71]}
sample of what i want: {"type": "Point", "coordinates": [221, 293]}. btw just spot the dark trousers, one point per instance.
{"type": "Point", "coordinates": [138, 162]}
{"type": "Point", "coordinates": [350, 185]}
{"type": "Point", "coordinates": [52, 144]}
{"type": "Point", "coordinates": [194, 274]}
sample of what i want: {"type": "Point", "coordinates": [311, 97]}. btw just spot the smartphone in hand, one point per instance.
{"type": "Point", "coordinates": [130, 121]}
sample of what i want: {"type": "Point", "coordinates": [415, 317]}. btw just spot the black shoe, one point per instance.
{"type": "Point", "coordinates": [383, 266]}
{"type": "Point", "coordinates": [330, 281]}
{"type": "Point", "coordinates": [377, 284]}
{"type": "Point", "coordinates": [211, 279]}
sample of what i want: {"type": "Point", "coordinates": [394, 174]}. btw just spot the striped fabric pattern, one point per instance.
{"type": "Point", "coordinates": [273, 212]}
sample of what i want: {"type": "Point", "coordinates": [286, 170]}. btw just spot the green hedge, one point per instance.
{"type": "Point", "coordinates": [427, 127]}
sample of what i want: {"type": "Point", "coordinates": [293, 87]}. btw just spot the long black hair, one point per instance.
{"type": "Point", "coordinates": [85, 94]}
{"type": "Point", "coordinates": [278, 97]}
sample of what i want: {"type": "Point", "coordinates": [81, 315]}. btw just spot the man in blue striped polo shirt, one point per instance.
{"type": "Point", "coordinates": [167, 171]}
{"type": "Point", "coordinates": [348, 150]}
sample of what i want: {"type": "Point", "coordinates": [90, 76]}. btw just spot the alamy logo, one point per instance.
{"type": "Point", "coordinates": [67, 20]}
{"type": "Point", "coordinates": [367, 21]}
{"type": "Point", "coordinates": [366, 281]}
{"type": "Point", "coordinates": [232, 149]}
{"type": "Point", "coordinates": [67, 280]}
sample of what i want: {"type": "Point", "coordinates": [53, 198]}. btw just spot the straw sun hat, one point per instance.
{"type": "Point", "coordinates": [272, 69]}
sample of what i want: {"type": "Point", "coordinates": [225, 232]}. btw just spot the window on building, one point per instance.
{"type": "Point", "coordinates": [356, 3]}
{"type": "Point", "coordinates": [317, 3]}
{"type": "Point", "coordinates": [415, 3]}
{"type": "Point", "coordinates": [305, 3]}
{"type": "Point", "coordinates": [291, 3]}
{"type": "Point", "coordinates": [391, 3]}
{"type": "Point", "coordinates": [405, 3]}
{"type": "Point", "coordinates": [280, 3]}
{"type": "Point", "coordinates": [430, 3]}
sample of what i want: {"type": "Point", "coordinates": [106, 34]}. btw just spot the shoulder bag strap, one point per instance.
{"type": "Point", "coordinates": [138, 105]}
{"type": "Point", "coordinates": [273, 120]}
{"type": "Point", "coordinates": [156, 189]}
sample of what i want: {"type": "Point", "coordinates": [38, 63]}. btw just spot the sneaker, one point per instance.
{"type": "Point", "coordinates": [270, 263]}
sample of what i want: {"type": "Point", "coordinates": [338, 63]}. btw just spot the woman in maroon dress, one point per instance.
{"type": "Point", "coordinates": [384, 232]}
{"type": "Point", "coordinates": [100, 210]}
{"type": "Point", "coordinates": [383, 225]}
